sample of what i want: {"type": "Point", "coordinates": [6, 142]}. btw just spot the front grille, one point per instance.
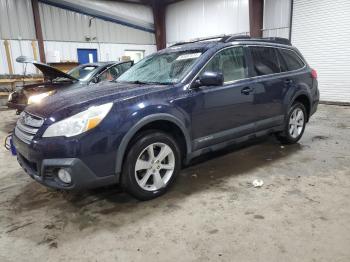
{"type": "Point", "coordinates": [27, 126]}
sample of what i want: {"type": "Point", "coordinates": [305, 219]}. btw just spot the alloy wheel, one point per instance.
{"type": "Point", "coordinates": [154, 166]}
{"type": "Point", "coordinates": [296, 123]}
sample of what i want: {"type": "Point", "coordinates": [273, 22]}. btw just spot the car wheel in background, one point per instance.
{"type": "Point", "coordinates": [294, 124]}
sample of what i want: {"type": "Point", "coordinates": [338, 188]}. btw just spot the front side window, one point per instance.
{"type": "Point", "coordinates": [124, 67]}
{"type": "Point", "coordinates": [162, 68]}
{"type": "Point", "coordinates": [114, 72]}
{"type": "Point", "coordinates": [265, 61]}
{"type": "Point", "coordinates": [290, 60]}
{"type": "Point", "coordinates": [109, 74]}
{"type": "Point", "coordinates": [230, 62]}
{"type": "Point", "coordinates": [83, 73]}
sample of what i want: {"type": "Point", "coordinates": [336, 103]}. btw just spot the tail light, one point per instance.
{"type": "Point", "coordinates": [313, 74]}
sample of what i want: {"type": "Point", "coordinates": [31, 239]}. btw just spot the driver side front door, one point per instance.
{"type": "Point", "coordinates": [224, 112]}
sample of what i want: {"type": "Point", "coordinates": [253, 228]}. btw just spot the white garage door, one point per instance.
{"type": "Point", "coordinates": [321, 31]}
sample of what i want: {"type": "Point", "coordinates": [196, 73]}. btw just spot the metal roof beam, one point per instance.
{"type": "Point", "coordinates": [90, 11]}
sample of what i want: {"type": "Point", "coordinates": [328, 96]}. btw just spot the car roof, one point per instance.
{"type": "Point", "coordinates": [207, 43]}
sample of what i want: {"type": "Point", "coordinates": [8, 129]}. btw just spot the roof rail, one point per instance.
{"type": "Point", "coordinates": [199, 40]}
{"type": "Point", "coordinates": [278, 40]}
{"type": "Point", "coordinates": [231, 38]}
{"type": "Point", "coordinates": [237, 37]}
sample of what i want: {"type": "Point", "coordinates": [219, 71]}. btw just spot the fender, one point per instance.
{"type": "Point", "coordinates": [141, 123]}
{"type": "Point", "coordinates": [298, 93]}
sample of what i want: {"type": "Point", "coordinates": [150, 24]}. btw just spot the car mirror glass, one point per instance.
{"type": "Point", "coordinates": [209, 78]}
{"type": "Point", "coordinates": [95, 80]}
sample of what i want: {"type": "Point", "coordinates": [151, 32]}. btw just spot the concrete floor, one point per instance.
{"type": "Point", "coordinates": [302, 213]}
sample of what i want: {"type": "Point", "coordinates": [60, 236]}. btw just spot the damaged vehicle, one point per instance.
{"type": "Point", "coordinates": [57, 81]}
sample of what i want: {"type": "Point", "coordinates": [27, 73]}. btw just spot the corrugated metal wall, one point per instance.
{"type": "Point", "coordinates": [276, 18]}
{"type": "Point", "coordinates": [62, 25]}
{"type": "Point", "coordinates": [65, 31]}
{"type": "Point", "coordinates": [200, 18]}
{"type": "Point", "coordinates": [16, 19]}
{"type": "Point", "coordinates": [67, 52]}
{"type": "Point", "coordinates": [321, 31]}
{"type": "Point", "coordinates": [17, 48]}
{"type": "Point", "coordinates": [139, 14]}
{"type": "Point", "coordinates": [105, 51]}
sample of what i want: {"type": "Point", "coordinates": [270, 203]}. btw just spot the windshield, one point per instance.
{"type": "Point", "coordinates": [166, 68]}
{"type": "Point", "coordinates": [82, 73]}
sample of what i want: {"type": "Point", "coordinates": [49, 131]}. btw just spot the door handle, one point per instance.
{"type": "Point", "coordinates": [247, 90]}
{"type": "Point", "coordinates": [288, 81]}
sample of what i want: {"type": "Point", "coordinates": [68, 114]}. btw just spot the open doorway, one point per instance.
{"type": "Point", "coordinates": [87, 55]}
{"type": "Point", "coordinates": [135, 55]}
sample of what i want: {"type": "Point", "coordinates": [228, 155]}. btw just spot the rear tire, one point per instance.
{"type": "Point", "coordinates": [151, 165]}
{"type": "Point", "coordinates": [294, 124]}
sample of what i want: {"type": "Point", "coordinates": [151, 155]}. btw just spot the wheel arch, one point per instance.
{"type": "Point", "coordinates": [142, 125]}
{"type": "Point", "coordinates": [305, 100]}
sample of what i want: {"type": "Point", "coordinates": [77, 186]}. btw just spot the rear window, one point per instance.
{"type": "Point", "coordinates": [265, 60]}
{"type": "Point", "coordinates": [290, 60]}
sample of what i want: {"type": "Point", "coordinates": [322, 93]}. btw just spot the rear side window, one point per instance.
{"type": "Point", "coordinates": [265, 61]}
{"type": "Point", "coordinates": [230, 62]}
{"type": "Point", "coordinates": [290, 60]}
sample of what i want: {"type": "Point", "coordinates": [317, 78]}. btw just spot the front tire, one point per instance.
{"type": "Point", "coordinates": [151, 165]}
{"type": "Point", "coordinates": [294, 125]}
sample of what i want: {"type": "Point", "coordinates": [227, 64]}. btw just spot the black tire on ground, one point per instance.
{"type": "Point", "coordinates": [285, 137]}
{"type": "Point", "coordinates": [138, 145]}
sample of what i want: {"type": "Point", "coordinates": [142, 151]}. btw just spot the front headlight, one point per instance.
{"type": "Point", "coordinates": [10, 97]}
{"type": "Point", "coordinates": [80, 122]}
{"type": "Point", "coordinates": [37, 98]}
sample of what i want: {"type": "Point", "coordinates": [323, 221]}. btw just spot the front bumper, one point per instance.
{"type": "Point", "coordinates": [19, 107]}
{"type": "Point", "coordinates": [45, 170]}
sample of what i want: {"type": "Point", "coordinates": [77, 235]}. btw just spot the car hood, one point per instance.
{"type": "Point", "coordinates": [48, 71]}
{"type": "Point", "coordinates": [38, 88]}
{"type": "Point", "coordinates": [76, 100]}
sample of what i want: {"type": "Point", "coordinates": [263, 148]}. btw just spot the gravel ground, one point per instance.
{"type": "Point", "coordinates": [212, 213]}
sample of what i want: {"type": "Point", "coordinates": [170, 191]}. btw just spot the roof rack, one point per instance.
{"type": "Point", "coordinates": [231, 38]}
{"type": "Point", "coordinates": [277, 40]}
{"type": "Point", "coordinates": [196, 40]}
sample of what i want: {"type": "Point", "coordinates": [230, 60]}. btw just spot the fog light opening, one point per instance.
{"type": "Point", "coordinates": [64, 176]}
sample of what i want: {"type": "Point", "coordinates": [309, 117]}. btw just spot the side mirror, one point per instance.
{"type": "Point", "coordinates": [209, 78]}
{"type": "Point", "coordinates": [95, 80]}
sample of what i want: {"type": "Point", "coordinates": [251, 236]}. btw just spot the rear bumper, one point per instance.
{"type": "Point", "coordinates": [314, 108]}
{"type": "Point", "coordinates": [44, 170]}
{"type": "Point", "coordinates": [315, 102]}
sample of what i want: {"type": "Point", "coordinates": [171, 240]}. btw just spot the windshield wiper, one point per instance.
{"type": "Point", "coordinates": [161, 83]}
{"type": "Point", "coordinates": [137, 82]}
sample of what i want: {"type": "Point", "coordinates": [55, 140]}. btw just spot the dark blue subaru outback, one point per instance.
{"type": "Point", "coordinates": [172, 106]}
